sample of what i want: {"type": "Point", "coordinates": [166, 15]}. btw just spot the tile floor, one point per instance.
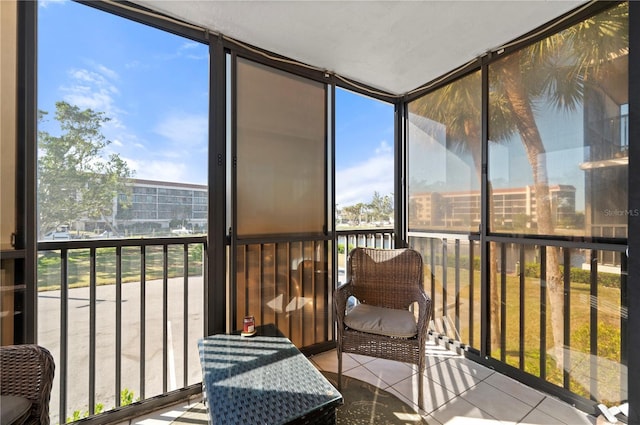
{"type": "Point", "coordinates": [457, 391]}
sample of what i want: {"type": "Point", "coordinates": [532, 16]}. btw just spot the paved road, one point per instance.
{"type": "Point", "coordinates": [77, 376]}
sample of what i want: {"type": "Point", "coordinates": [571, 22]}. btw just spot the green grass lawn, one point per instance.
{"type": "Point", "coordinates": [78, 268]}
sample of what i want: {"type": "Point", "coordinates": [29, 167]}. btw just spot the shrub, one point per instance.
{"type": "Point", "coordinates": [341, 248]}
{"type": "Point", "coordinates": [577, 275]}
{"type": "Point", "coordinates": [608, 340]}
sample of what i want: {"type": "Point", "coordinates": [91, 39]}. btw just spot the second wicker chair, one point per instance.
{"type": "Point", "coordinates": [386, 283]}
{"type": "Point", "coordinates": [26, 378]}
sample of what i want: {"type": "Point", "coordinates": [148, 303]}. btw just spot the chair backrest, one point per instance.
{"type": "Point", "coordinates": [389, 278]}
{"type": "Point", "coordinates": [27, 371]}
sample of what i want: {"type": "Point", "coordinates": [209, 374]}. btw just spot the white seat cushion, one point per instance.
{"type": "Point", "coordinates": [14, 409]}
{"type": "Point", "coordinates": [382, 321]}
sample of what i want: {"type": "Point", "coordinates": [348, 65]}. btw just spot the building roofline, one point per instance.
{"type": "Point", "coordinates": [142, 182]}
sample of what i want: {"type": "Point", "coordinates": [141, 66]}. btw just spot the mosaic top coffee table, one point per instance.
{"type": "Point", "coordinates": [263, 380]}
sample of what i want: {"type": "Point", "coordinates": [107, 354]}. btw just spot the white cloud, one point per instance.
{"type": "Point", "coordinates": [47, 3]}
{"type": "Point", "coordinates": [133, 64]}
{"type": "Point", "coordinates": [189, 45]}
{"type": "Point", "coordinates": [125, 143]}
{"type": "Point", "coordinates": [373, 174]}
{"type": "Point", "coordinates": [186, 51]}
{"type": "Point", "coordinates": [384, 148]}
{"type": "Point", "coordinates": [95, 88]}
{"type": "Point", "coordinates": [163, 170]}
{"type": "Point", "coordinates": [185, 131]}
{"type": "Point", "coordinates": [158, 170]}
{"type": "Point", "coordinates": [107, 72]}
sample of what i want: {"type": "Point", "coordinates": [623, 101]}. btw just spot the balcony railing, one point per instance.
{"type": "Point", "coordinates": [122, 317]}
{"type": "Point", "coordinates": [568, 329]}
{"type": "Point", "coordinates": [368, 238]}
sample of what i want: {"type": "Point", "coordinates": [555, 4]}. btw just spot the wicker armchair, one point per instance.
{"type": "Point", "coordinates": [386, 282]}
{"type": "Point", "coordinates": [26, 372]}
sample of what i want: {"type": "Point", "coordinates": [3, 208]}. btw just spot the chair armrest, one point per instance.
{"type": "Point", "coordinates": [340, 297]}
{"type": "Point", "coordinates": [425, 306]}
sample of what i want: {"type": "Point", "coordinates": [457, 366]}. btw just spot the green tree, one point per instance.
{"type": "Point", "coordinates": [380, 207]}
{"type": "Point", "coordinates": [354, 212]}
{"type": "Point", "coordinates": [76, 179]}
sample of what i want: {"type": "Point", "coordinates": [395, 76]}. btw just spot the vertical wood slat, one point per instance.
{"type": "Point", "coordinates": [314, 304]}
{"type": "Point", "coordinates": [287, 292]}
{"type": "Point", "coordinates": [258, 291]}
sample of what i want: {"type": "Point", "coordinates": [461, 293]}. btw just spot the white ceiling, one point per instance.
{"type": "Point", "coordinates": [395, 46]}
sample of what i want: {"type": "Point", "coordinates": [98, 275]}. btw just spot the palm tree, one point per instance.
{"type": "Point", "coordinates": [553, 72]}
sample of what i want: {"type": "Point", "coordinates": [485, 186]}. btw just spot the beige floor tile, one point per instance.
{"type": "Point", "coordinates": [431, 420]}
{"type": "Point", "coordinates": [363, 374]}
{"type": "Point", "coordinates": [498, 404]}
{"type": "Point", "coordinates": [470, 367]}
{"type": "Point", "coordinates": [362, 359]}
{"type": "Point", "coordinates": [439, 353]}
{"type": "Point", "coordinates": [435, 394]}
{"type": "Point", "coordinates": [390, 371]}
{"type": "Point", "coordinates": [457, 391]}
{"type": "Point", "coordinates": [473, 421]}
{"type": "Point", "coordinates": [564, 412]}
{"type": "Point", "coordinates": [537, 417]}
{"type": "Point", "coordinates": [451, 377]}
{"type": "Point", "coordinates": [328, 361]}
{"type": "Point", "coordinates": [459, 411]}
{"type": "Point", "coordinates": [328, 358]}
{"type": "Point", "coordinates": [516, 389]}
{"type": "Point", "coordinates": [162, 417]}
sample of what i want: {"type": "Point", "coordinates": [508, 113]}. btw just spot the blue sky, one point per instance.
{"type": "Point", "coordinates": [154, 87]}
{"type": "Point", "coordinates": [364, 148]}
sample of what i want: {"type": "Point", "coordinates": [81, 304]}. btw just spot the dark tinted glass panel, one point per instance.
{"type": "Point", "coordinates": [281, 145]}
{"type": "Point", "coordinates": [558, 125]}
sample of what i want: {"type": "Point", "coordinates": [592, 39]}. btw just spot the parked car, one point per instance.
{"type": "Point", "coordinates": [181, 231]}
{"type": "Point", "coordinates": [58, 235]}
